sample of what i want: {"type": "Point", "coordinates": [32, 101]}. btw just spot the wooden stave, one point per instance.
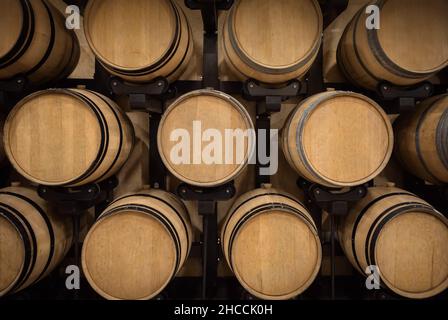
{"type": "Point", "coordinates": [236, 214]}
{"type": "Point", "coordinates": [364, 215]}
{"type": "Point", "coordinates": [307, 170]}
{"type": "Point", "coordinates": [2, 147]}
{"type": "Point", "coordinates": [173, 65]}
{"type": "Point", "coordinates": [246, 68]}
{"type": "Point", "coordinates": [422, 141]}
{"type": "Point", "coordinates": [100, 169]}
{"type": "Point", "coordinates": [52, 55]}
{"type": "Point", "coordinates": [235, 103]}
{"type": "Point", "coordinates": [49, 235]}
{"type": "Point", "coordinates": [364, 63]}
{"type": "Point", "coordinates": [162, 199]}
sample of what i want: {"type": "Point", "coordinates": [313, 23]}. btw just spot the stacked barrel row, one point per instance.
{"type": "Point", "coordinates": [72, 137]}
{"type": "Point", "coordinates": [270, 41]}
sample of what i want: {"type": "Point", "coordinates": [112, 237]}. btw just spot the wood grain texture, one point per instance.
{"type": "Point", "coordinates": [421, 140]}
{"type": "Point", "coordinates": [369, 56]}
{"type": "Point", "coordinates": [332, 36]}
{"type": "Point", "coordinates": [271, 244]}
{"type": "Point", "coordinates": [134, 175]}
{"type": "Point", "coordinates": [409, 243]}
{"type": "Point", "coordinates": [22, 218]}
{"type": "Point", "coordinates": [146, 40]}
{"type": "Point", "coordinates": [214, 110]}
{"type": "Point", "coordinates": [137, 246]}
{"type": "Point", "coordinates": [36, 44]}
{"type": "Point", "coordinates": [67, 137]}
{"type": "Point", "coordinates": [338, 139]}
{"type": "Point", "coordinates": [272, 41]}
{"type": "Point", "coordinates": [85, 68]}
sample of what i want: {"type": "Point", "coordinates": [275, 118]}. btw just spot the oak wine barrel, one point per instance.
{"type": "Point", "coordinates": [410, 46]}
{"type": "Point", "coordinates": [421, 140]}
{"type": "Point", "coordinates": [67, 137]}
{"type": "Point", "coordinates": [35, 42]}
{"type": "Point", "coordinates": [139, 40]}
{"type": "Point", "coordinates": [33, 239]}
{"type": "Point", "coordinates": [338, 139]}
{"type": "Point", "coordinates": [271, 244]}
{"type": "Point", "coordinates": [137, 246]}
{"type": "Point", "coordinates": [272, 41]}
{"type": "Point", "coordinates": [403, 236]}
{"type": "Point", "coordinates": [183, 140]}
{"type": "Point", "coordinates": [2, 148]}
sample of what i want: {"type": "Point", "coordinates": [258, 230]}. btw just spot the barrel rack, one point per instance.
{"type": "Point", "coordinates": [151, 98]}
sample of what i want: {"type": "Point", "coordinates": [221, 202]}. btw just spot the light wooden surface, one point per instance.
{"type": "Point", "coordinates": [148, 39]}
{"type": "Point", "coordinates": [214, 110]}
{"type": "Point", "coordinates": [421, 140]}
{"type": "Point", "coordinates": [12, 22]}
{"type": "Point", "coordinates": [46, 58]}
{"type": "Point", "coordinates": [69, 139]}
{"type": "Point", "coordinates": [12, 245]}
{"type": "Point", "coordinates": [134, 175]}
{"type": "Point", "coordinates": [369, 56]}
{"type": "Point", "coordinates": [284, 179]}
{"type": "Point", "coordinates": [85, 68]}
{"type": "Point", "coordinates": [409, 246]}
{"type": "Point", "coordinates": [332, 36]}
{"type": "Point", "coordinates": [338, 139]}
{"type": "Point", "coordinates": [272, 41]}
{"type": "Point", "coordinates": [274, 251]}
{"type": "Point", "coordinates": [131, 251]}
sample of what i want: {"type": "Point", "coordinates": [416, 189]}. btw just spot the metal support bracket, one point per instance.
{"type": "Point", "coordinates": [149, 97]}
{"type": "Point", "coordinates": [269, 101]}
{"type": "Point", "coordinates": [74, 201]}
{"type": "Point", "coordinates": [142, 96]}
{"type": "Point", "coordinates": [335, 203]}
{"type": "Point", "coordinates": [207, 204]}
{"type": "Point", "coordinates": [399, 99]}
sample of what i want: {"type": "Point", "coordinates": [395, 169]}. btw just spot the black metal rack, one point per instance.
{"type": "Point", "coordinates": [337, 204]}
{"type": "Point", "coordinates": [151, 97]}
{"type": "Point", "coordinates": [207, 199]}
{"type": "Point", "coordinates": [74, 202]}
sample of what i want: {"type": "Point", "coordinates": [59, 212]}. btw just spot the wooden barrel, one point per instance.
{"type": "Point", "coordinates": [272, 41]}
{"type": "Point", "coordinates": [403, 236]}
{"type": "Point", "coordinates": [271, 244]}
{"type": "Point", "coordinates": [150, 39]}
{"type": "Point", "coordinates": [137, 261]}
{"type": "Point", "coordinates": [410, 46]}
{"type": "Point", "coordinates": [421, 140]}
{"type": "Point", "coordinates": [195, 123]}
{"type": "Point", "coordinates": [33, 239]}
{"type": "Point", "coordinates": [338, 139]}
{"type": "Point", "coordinates": [35, 42]}
{"type": "Point", "coordinates": [67, 137]}
{"type": "Point", "coordinates": [2, 147]}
